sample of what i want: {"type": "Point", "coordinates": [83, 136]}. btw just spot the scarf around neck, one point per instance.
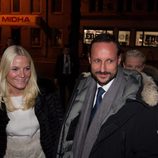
{"type": "Point", "coordinates": [113, 100]}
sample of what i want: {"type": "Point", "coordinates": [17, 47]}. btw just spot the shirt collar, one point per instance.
{"type": "Point", "coordinates": [107, 86]}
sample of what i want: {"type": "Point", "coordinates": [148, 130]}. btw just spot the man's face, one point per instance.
{"type": "Point", "coordinates": [134, 63]}
{"type": "Point", "coordinates": [104, 61]}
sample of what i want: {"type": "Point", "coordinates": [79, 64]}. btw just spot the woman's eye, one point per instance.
{"type": "Point", "coordinates": [14, 69]}
{"type": "Point", "coordinates": [27, 68]}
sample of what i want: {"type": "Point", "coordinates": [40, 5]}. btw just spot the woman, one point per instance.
{"type": "Point", "coordinates": [30, 118]}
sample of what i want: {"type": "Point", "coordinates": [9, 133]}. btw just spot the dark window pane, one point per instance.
{"type": "Point", "coordinates": [150, 5]}
{"type": "Point", "coordinates": [16, 5]}
{"type": "Point", "coordinates": [56, 5]}
{"type": "Point", "coordinates": [35, 5]}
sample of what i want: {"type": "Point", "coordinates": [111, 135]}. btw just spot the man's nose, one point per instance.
{"type": "Point", "coordinates": [103, 66]}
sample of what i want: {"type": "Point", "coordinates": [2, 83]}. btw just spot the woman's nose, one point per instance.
{"type": "Point", "coordinates": [21, 73]}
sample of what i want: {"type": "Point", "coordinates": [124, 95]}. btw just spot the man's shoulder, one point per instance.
{"type": "Point", "coordinates": [83, 79]}
{"type": "Point", "coordinates": [85, 74]}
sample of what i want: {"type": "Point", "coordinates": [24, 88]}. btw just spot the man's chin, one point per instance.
{"type": "Point", "coordinates": [103, 82]}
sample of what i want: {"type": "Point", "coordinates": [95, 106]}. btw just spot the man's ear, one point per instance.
{"type": "Point", "coordinates": [119, 59]}
{"type": "Point", "coordinates": [123, 64]}
{"type": "Point", "coordinates": [89, 58]}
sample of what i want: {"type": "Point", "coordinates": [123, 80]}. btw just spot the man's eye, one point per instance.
{"type": "Point", "coordinates": [109, 61]}
{"type": "Point", "coordinates": [96, 61]}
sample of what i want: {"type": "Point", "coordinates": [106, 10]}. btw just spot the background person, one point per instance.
{"type": "Point", "coordinates": [134, 60]}
{"type": "Point", "coordinates": [30, 118]}
{"type": "Point", "coordinates": [66, 72]}
{"type": "Point", "coordinates": [123, 125]}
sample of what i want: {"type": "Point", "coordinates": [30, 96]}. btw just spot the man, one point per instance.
{"type": "Point", "coordinates": [134, 60]}
{"type": "Point", "coordinates": [66, 72]}
{"type": "Point", "coordinates": [122, 126]}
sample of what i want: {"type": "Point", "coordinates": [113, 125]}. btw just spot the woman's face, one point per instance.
{"type": "Point", "coordinates": [18, 75]}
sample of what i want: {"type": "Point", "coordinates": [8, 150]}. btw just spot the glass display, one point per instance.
{"type": "Point", "coordinates": [124, 38]}
{"type": "Point", "coordinates": [90, 34]}
{"type": "Point", "coordinates": [147, 38]}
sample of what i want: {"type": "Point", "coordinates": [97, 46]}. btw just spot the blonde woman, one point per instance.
{"type": "Point", "coordinates": [30, 118]}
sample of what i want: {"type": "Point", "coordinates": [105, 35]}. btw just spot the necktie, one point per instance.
{"type": "Point", "coordinates": [97, 103]}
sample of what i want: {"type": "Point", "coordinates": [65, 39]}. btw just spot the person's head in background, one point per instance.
{"type": "Point", "coordinates": [134, 60]}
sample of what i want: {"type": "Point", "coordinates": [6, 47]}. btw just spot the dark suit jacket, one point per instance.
{"type": "Point", "coordinates": [131, 133]}
{"type": "Point", "coordinates": [60, 63]}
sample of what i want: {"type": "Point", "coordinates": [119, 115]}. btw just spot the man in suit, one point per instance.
{"type": "Point", "coordinates": [66, 72]}
{"type": "Point", "coordinates": [122, 125]}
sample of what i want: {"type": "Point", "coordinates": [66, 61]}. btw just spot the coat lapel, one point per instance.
{"type": "Point", "coordinates": [116, 121]}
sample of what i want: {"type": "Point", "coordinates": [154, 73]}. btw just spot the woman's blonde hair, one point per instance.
{"type": "Point", "coordinates": [31, 91]}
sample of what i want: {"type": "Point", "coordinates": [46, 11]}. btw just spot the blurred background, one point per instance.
{"type": "Point", "coordinates": [44, 27]}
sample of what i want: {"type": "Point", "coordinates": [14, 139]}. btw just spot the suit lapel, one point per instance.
{"type": "Point", "coordinates": [116, 121]}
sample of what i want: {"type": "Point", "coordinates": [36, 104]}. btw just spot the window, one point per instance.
{"type": "Point", "coordinates": [124, 38]}
{"type": "Point", "coordinates": [35, 37]}
{"type": "Point", "coordinates": [15, 5]}
{"type": "Point", "coordinates": [150, 5]}
{"type": "Point", "coordinates": [139, 6]}
{"type": "Point", "coordinates": [146, 38]}
{"type": "Point", "coordinates": [96, 5]}
{"type": "Point", "coordinates": [89, 34]}
{"type": "Point", "coordinates": [16, 35]}
{"type": "Point", "coordinates": [56, 5]}
{"type": "Point", "coordinates": [129, 5]}
{"type": "Point", "coordinates": [35, 5]}
{"type": "Point", "coordinates": [0, 5]}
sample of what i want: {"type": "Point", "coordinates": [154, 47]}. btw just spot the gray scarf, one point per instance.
{"type": "Point", "coordinates": [113, 100]}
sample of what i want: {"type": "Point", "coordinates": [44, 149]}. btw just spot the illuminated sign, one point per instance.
{"type": "Point", "coordinates": [16, 20]}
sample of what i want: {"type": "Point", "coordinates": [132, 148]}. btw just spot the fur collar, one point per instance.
{"type": "Point", "coordinates": [150, 90]}
{"type": "Point", "coordinates": [149, 93]}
